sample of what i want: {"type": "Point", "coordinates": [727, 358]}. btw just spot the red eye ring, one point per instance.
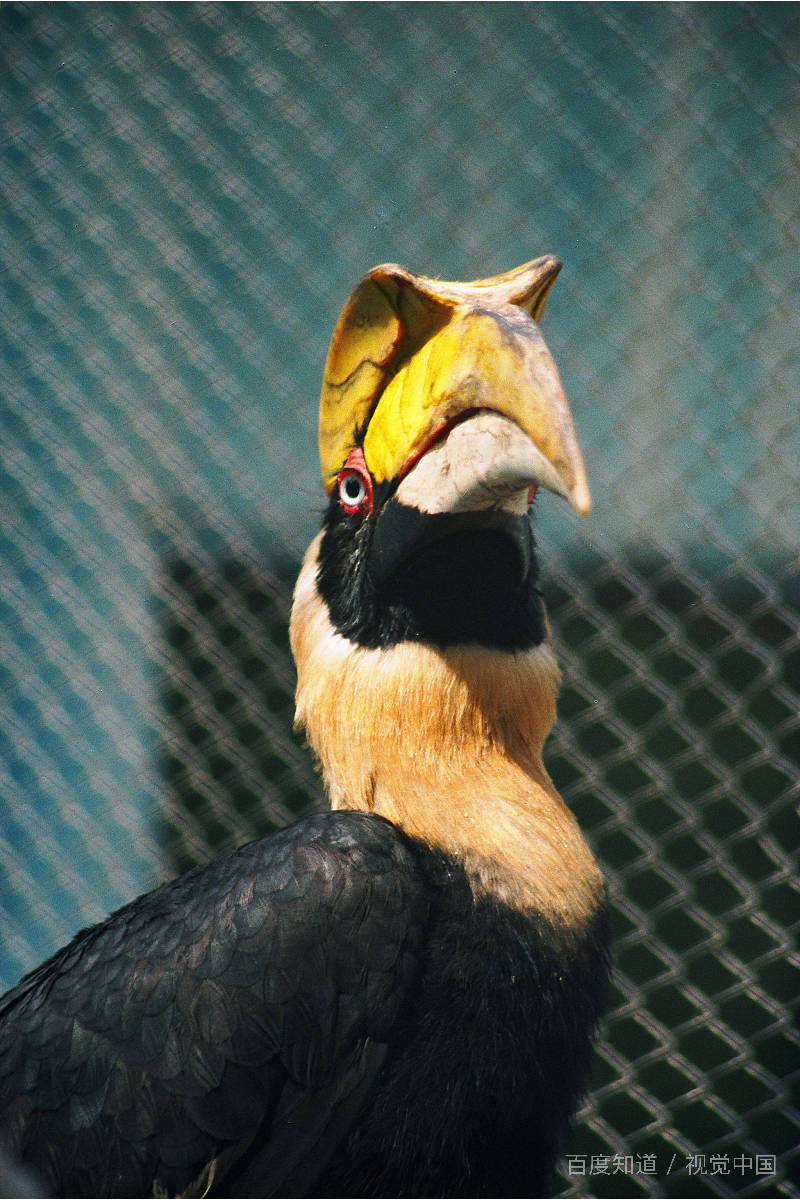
{"type": "Point", "coordinates": [354, 485]}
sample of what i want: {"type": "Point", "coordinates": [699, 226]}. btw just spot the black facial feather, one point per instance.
{"type": "Point", "coordinates": [444, 579]}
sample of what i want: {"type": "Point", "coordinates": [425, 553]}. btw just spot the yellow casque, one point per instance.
{"type": "Point", "coordinates": [410, 355]}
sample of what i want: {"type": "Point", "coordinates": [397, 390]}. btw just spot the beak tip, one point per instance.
{"type": "Point", "coordinates": [581, 499]}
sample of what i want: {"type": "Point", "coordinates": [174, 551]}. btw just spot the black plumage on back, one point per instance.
{"type": "Point", "coordinates": [245, 1012]}
{"type": "Point", "coordinates": [205, 1014]}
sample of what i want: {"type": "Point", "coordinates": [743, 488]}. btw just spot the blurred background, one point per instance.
{"type": "Point", "coordinates": [188, 192]}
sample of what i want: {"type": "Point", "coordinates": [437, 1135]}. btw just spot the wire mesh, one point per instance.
{"type": "Point", "coordinates": [187, 194]}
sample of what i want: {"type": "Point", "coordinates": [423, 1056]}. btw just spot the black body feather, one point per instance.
{"type": "Point", "coordinates": [291, 1010]}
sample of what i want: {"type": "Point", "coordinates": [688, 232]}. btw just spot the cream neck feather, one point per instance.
{"type": "Point", "coordinates": [446, 744]}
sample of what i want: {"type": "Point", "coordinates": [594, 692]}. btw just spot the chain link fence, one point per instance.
{"type": "Point", "coordinates": [187, 194]}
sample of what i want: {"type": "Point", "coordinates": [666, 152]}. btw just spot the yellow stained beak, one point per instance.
{"type": "Point", "coordinates": [411, 355]}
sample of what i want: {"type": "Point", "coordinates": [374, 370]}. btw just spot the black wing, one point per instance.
{"type": "Point", "coordinates": [227, 1025]}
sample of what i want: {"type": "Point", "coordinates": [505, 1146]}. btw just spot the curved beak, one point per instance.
{"type": "Point", "coordinates": [411, 359]}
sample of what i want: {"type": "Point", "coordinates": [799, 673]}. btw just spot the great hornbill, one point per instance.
{"type": "Point", "coordinates": [396, 997]}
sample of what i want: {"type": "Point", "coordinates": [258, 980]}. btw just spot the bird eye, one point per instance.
{"type": "Point", "coordinates": [352, 491]}
{"type": "Point", "coordinates": [355, 485]}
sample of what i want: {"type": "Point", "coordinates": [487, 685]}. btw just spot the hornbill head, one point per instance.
{"type": "Point", "coordinates": [442, 412]}
{"type": "Point", "coordinates": [418, 630]}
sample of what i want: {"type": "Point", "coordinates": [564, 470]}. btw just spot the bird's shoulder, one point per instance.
{"type": "Point", "coordinates": [268, 968]}
{"type": "Point", "coordinates": [345, 881]}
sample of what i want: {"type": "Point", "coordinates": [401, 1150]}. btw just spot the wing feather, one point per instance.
{"type": "Point", "coordinates": [238, 1015]}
